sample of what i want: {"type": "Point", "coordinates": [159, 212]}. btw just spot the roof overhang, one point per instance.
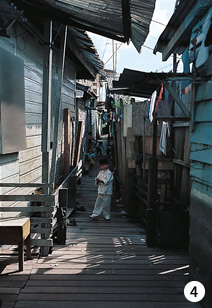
{"type": "Point", "coordinates": [87, 60]}
{"type": "Point", "coordinates": [86, 89]}
{"type": "Point", "coordinates": [143, 84]}
{"type": "Point", "coordinates": [122, 20]}
{"type": "Point", "coordinates": [80, 48]}
{"type": "Point", "coordinates": [176, 36]}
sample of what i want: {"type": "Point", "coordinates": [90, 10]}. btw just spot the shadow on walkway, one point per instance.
{"type": "Point", "coordinates": [103, 264]}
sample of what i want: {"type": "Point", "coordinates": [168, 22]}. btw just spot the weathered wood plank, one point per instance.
{"type": "Point", "coordinates": [107, 277]}
{"type": "Point", "coordinates": [8, 298]}
{"type": "Point", "coordinates": [37, 198]}
{"type": "Point", "coordinates": [105, 271]}
{"type": "Point", "coordinates": [99, 290]}
{"type": "Point", "coordinates": [145, 266]}
{"type": "Point", "coordinates": [42, 185]}
{"type": "Point", "coordinates": [24, 209]}
{"type": "Point", "coordinates": [102, 304]}
{"type": "Point", "coordinates": [42, 242]}
{"type": "Point", "coordinates": [201, 174]}
{"type": "Point", "coordinates": [41, 230]}
{"type": "Point", "coordinates": [103, 297]}
{"type": "Point", "coordinates": [203, 112]}
{"type": "Point", "coordinates": [9, 290]}
{"type": "Point", "coordinates": [202, 133]}
{"type": "Point", "coordinates": [104, 283]}
{"type": "Point", "coordinates": [40, 220]}
{"type": "Point", "coordinates": [201, 153]}
{"type": "Point", "coordinates": [113, 259]}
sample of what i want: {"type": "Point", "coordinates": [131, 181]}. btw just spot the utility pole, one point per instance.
{"type": "Point", "coordinates": [113, 54]}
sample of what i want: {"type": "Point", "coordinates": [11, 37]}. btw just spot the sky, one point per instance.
{"type": "Point", "coordinates": [127, 55]}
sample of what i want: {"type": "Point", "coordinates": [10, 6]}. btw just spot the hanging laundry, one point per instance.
{"type": "Point", "coordinates": [166, 94]}
{"type": "Point", "coordinates": [159, 98]}
{"type": "Point", "coordinates": [114, 116]}
{"type": "Point", "coordinates": [147, 112]}
{"type": "Point", "coordinates": [152, 105]}
{"type": "Point", "coordinates": [163, 138]}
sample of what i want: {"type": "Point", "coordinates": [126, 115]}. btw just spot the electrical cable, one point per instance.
{"type": "Point", "coordinates": [160, 23]}
{"type": "Point", "coordinates": [113, 54]}
{"type": "Point", "coordinates": [105, 49]}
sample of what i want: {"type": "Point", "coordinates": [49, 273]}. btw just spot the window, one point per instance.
{"type": "Point", "coordinates": [12, 103]}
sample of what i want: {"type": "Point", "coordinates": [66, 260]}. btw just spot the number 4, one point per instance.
{"type": "Point", "coordinates": [194, 291]}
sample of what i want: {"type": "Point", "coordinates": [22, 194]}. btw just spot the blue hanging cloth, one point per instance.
{"type": "Point", "coordinates": [147, 113]}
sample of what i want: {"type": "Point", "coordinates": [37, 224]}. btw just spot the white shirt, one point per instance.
{"type": "Point", "coordinates": [105, 188]}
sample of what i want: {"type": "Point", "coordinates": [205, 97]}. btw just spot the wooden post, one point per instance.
{"type": "Point", "coordinates": [67, 142]}
{"type": "Point", "coordinates": [144, 151]}
{"type": "Point", "coordinates": [154, 160]}
{"type": "Point", "coordinates": [78, 143]}
{"type": "Point", "coordinates": [152, 191]}
{"type": "Point", "coordinates": [185, 185]}
{"type": "Point", "coordinates": [58, 101]}
{"type": "Point", "coordinates": [46, 116]}
{"type": "Point", "coordinates": [72, 192]}
{"type": "Point", "coordinates": [46, 102]}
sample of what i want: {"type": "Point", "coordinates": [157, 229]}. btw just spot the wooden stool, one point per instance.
{"type": "Point", "coordinates": [14, 231]}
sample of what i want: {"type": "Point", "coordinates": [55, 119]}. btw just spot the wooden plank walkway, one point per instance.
{"type": "Point", "coordinates": [103, 264]}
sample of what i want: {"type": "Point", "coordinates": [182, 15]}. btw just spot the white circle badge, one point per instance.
{"type": "Point", "coordinates": [194, 291]}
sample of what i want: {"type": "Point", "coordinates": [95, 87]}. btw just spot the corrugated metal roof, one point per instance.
{"type": "Point", "coordinates": [122, 20]}
{"type": "Point", "coordinates": [84, 46]}
{"type": "Point", "coordinates": [88, 62]}
{"type": "Point", "coordinates": [142, 84]}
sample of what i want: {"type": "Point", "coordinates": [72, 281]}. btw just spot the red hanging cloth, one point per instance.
{"type": "Point", "coordinates": [159, 97]}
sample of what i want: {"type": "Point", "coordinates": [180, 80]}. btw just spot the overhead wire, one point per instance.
{"type": "Point", "coordinates": [105, 49]}
{"type": "Point", "coordinates": [113, 54]}
{"type": "Point", "coordinates": [158, 22]}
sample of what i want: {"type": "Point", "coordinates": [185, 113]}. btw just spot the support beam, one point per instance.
{"type": "Point", "coordinates": [78, 143]}
{"type": "Point", "coordinates": [126, 19]}
{"type": "Point", "coordinates": [46, 102]}
{"type": "Point", "coordinates": [46, 120]}
{"type": "Point", "coordinates": [67, 141]}
{"type": "Point", "coordinates": [177, 99]}
{"type": "Point", "coordinates": [58, 101]}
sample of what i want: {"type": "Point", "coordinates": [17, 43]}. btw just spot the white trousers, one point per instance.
{"type": "Point", "coordinates": [102, 204]}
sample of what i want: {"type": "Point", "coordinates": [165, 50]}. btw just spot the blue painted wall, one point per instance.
{"type": "Point", "coordinates": [201, 176]}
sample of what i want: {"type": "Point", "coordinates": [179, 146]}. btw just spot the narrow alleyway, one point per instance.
{"type": "Point", "coordinates": [103, 264]}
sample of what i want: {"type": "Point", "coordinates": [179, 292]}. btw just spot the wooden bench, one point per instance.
{"type": "Point", "coordinates": [14, 231]}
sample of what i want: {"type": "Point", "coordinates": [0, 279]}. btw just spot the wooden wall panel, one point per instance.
{"type": "Point", "coordinates": [26, 166]}
{"type": "Point", "coordinates": [201, 191]}
{"type": "Point", "coordinates": [202, 133]}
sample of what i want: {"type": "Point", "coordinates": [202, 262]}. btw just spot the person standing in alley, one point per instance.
{"type": "Point", "coordinates": [99, 147]}
{"type": "Point", "coordinates": [90, 140]}
{"type": "Point", "coordinates": [104, 181]}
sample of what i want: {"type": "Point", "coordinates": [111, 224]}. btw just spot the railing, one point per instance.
{"type": "Point", "coordinates": [43, 209]}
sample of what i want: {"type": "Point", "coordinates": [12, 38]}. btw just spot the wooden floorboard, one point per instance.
{"type": "Point", "coordinates": [103, 264]}
{"type": "Point", "coordinates": [102, 304]}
